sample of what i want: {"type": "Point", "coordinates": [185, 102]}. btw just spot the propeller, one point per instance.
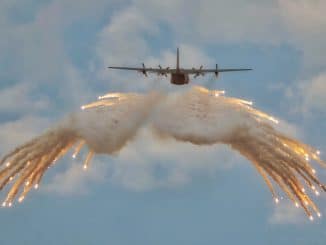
{"type": "Point", "coordinates": [167, 70]}
{"type": "Point", "coordinates": [144, 70]}
{"type": "Point", "coordinates": [199, 72]}
{"type": "Point", "coordinates": [162, 72]}
{"type": "Point", "coordinates": [216, 71]}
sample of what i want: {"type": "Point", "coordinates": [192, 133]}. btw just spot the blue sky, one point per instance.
{"type": "Point", "coordinates": [53, 58]}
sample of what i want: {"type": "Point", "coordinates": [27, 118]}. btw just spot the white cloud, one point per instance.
{"type": "Point", "coordinates": [304, 16]}
{"type": "Point", "coordinates": [35, 51]}
{"type": "Point", "coordinates": [313, 94]}
{"type": "Point", "coordinates": [41, 55]}
{"type": "Point", "coordinates": [286, 213]}
{"type": "Point", "coordinates": [211, 21]}
{"type": "Point", "coordinates": [22, 94]}
{"type": "Point", "coordinates": [306, 24]}
{"type": "Point", "coordinates": [298, 23]}
{"type": "Point", "coordinates": [17, 132]}
{"type": "Point", "coordinates": [190, 56]}
{"type": "Point", "coordinates": [122, 42]}
{"type": "Point", "coordinates": [75, 180]}
{"type": "Point", "coordinates": [147, 164]}
{"type": "Point", "coordinates": [309, 94]}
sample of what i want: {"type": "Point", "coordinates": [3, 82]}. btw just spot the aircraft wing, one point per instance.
{"type": "Point", "coordinates": [144, 70]}
{"type": "Point", "coordinates": [165, 71]}
{"type": "Point", "coordinates": [196, 71]}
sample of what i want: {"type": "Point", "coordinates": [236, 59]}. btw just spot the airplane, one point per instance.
{"type": "Point", "coordinates": [179, 76]}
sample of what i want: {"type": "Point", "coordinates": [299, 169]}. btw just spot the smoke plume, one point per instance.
{"type": "Point", "coordinates": [197, 115]}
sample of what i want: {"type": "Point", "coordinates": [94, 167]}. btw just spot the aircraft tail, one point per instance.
{"type": "Point", "coordinates": [178, 59]}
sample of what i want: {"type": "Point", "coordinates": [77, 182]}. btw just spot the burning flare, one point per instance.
{"type": "Point", "coordinates": [197, 115]}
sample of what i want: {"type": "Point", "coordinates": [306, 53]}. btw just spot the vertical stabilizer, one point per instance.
{"type": "Point", "coordinates": [177, 58]}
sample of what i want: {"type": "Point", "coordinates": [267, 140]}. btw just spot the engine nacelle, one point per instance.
{"type": "Point", "coordinates": [199, 73]}
{"type": "Point", "coordinates": [144, 70]}
{"type": "Point", "coordinates": [216, 71]}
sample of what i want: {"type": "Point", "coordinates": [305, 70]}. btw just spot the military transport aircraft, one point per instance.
{"type": "Point", "coordinates": [179, 76]}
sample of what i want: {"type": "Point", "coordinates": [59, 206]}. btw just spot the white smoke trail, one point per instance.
{"type": "Point", "coordinates": [198, 116]}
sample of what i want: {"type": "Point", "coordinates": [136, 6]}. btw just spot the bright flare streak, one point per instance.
{"type": "Point", "coordinates": [297, 204]}
{"type": "Point", "coordinates": [276, 200]}
{"type": "Point", "coordinates": [246, 102]}
{"type": "Point", "coordinates": [264, 116]}
{"type": "Point", "coordinates": [274, 120]}
{"type": "Point", "coordinates": [36, 186]}
{"type": "Point", "coordinates": [111, 96]}
{"type": "Point", "coordinates": [97, 104]}
{"type": "Point", "coordinates": [311, 217]}
{"type": "Point", "coordinates": [8, 164]}
{"type": "Point", "coordinates": [21, 199]}
{"type": "Point", "coordinates": [319, 215]}
{"type": "Point", "coordinates": [4, 204]}
{"type": "Point", "coordinates": [78, 148]}
{"type": "Point", "coordinates": [217, 93]}
{"type": "Point", "coordinates": [88, 159]}
{"type": "Point", "coordinates": [317, 193]}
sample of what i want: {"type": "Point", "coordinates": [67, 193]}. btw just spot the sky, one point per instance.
{"type": "Point", "coordinates": [54, 55]}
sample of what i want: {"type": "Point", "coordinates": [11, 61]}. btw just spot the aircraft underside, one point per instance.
{"type": "Point", "coordinates": [179, 78]}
